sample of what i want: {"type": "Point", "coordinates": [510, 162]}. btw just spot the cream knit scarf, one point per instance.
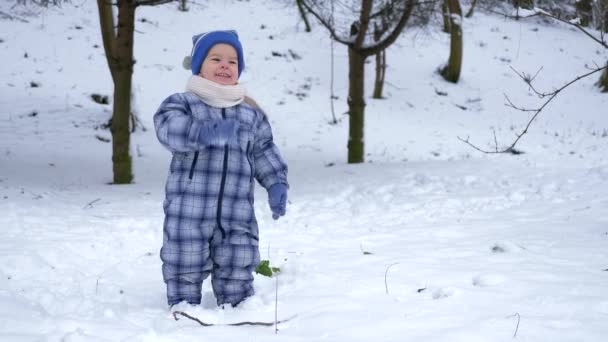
{"type": "Point", "coordinates": [215, 94]}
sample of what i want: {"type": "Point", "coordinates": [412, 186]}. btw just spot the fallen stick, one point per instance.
{"type": "Point", "coordinates": [263, 324]}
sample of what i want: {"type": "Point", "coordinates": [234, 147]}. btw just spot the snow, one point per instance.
{"type": "Point", "coordinates": [429, 240]}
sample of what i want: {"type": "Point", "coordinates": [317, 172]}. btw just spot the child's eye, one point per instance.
{"type": "Point", "coordinates": [233, 62]}
{"type": "Point", "coordinates": [215, 59]}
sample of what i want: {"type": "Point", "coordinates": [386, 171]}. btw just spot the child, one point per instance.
{"type": "Point", "coordinates": [220, 141]}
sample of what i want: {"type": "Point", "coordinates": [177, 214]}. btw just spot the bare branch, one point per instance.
{"type": "Point", "coordinates": [12, 17]}
{"type": "Point", "coordinates": [328, 25]}
{"type": "Point", "coordinates": [550, 95]}
{"type": "Point", "coordinates": [366, 9]}
{"type": "Point", "coordinates": [538, 13]}
{"type": "Point", "coordinates": [381, 45]}
{"type": "Point", "coordinates": [108, 36]}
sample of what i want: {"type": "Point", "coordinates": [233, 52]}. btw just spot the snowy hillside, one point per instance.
{"type": "Point", "coordinates": [429, 240]}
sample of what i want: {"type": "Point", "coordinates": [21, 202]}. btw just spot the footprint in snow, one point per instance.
{"type": "Point", "coordinates": [484, 280]}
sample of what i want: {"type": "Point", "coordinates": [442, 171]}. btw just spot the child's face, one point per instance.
{"type": "Point", "coordinates": [221, 65]}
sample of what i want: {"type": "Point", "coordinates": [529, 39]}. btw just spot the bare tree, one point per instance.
{"type": "Point", "coordinates": [451, 71]}
{"type": "Point", "coordinates": [549, 96]}
{"type": "Point", "coordinates": [118, 45]}
{"type": "Point", "coordinates": [354, 32]}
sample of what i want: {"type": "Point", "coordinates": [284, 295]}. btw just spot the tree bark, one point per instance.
{"type": "Point", "coordinates": [183, 5]}
{"type": "Point", "coordinates": [526, 4]}
{"type": "Point", "coordinates": [380, 73]}
{"type": "Point", "coordinates": [303, 15]}
{"type": "Point", "coordinates": [119, 54]}
{"type": "Point", "coordinates": [584, 9]}
{"type": "Point", "coordinates": [603, 83]}
{"type": "Point", "coordinates": [471, 9]}
{"type": "Point", "coordinates": [445, 13]}
{"type": "Point", "coordinates": [356, 106]}
{"type": "Point", "coordinates": [121, 134]}
{"type": "Point", "coordinates": [603, 5]}
{"type": "Point", "coordinates": [451, 72]}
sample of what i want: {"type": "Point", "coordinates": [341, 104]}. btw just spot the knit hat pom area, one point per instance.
{"type": "Point", "coordinates": [202, 43]}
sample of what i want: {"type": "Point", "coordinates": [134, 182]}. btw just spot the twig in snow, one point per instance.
{"type": "Point", "coordinates": [276, 304]}
{"type": "Point", "coordinates": [518, 319]}
{"type": "Point", "coordinates": [364, 252]}
{"type": "Point", "coordinates": [386, 274]}
{"type": "Point", "coordinates": [263, 324]}
{"type": "Point", "coordinates": [90, 204]}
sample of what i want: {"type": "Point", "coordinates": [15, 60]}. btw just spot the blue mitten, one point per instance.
{"type": "Point", "coordinates": [277, 199]}
{"type": "Point", "coordinates": [219, 133]}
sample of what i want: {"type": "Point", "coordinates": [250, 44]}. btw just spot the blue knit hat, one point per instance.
{"type": "Point", "coordinates": [202, 43]}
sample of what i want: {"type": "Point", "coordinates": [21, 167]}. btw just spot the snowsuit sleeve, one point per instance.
{"type": "Point", "coordinates": [270, 168]}
{"type": "Point", "coordinates": [175, 126]}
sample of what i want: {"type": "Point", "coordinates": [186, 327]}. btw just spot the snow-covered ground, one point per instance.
{"type": "Point", "coordinates": [429, 240]}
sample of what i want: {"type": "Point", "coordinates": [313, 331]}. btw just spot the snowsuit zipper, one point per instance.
{"type": "Point", "coordinates": [250, 162]}
{"type": "Point", "coordinates": [222, 185]}
{"type": "Point", "coordinates": [193, 165]}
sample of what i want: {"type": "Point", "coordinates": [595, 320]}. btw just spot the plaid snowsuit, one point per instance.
{"type": "Point", "coordinates": [210, 225]}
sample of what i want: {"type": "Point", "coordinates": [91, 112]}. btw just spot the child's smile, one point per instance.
{"type": "Point", "coordinates": [221, 65]}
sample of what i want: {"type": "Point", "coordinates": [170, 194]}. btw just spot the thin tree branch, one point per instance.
{"type": "Point", "coordinates": [328, 25]}
{"type": "Point", "coordinates": [539, 12]}
{"type": "Point", "coordinates": [366, 9]}
{"type": "Point", "coordinates": [392, 37]}
{"type": "Point", "coordinates": [12, 17]}
{"type": "Point", "coordinates": [551, 96]}
{"type": "Point", "coordinates": [108, 36]}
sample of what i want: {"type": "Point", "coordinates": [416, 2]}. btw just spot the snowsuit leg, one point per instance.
{"type": "Point", "coordinates": [185, 252]}
{"type": "Point", "coordinates": [232, 276]}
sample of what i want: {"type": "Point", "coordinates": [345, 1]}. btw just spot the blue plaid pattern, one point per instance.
{"type": "Point", "coordinates": [210, 225]}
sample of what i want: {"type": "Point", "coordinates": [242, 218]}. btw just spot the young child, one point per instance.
{"type": "Point", "coordinates": [220, 141]}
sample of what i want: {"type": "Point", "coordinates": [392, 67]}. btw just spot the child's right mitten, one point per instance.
{"type": "Point", "coordinates": [219, 133]}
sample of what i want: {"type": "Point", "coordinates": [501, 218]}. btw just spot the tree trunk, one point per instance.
{"type": "Point", "coordinates": [603, 83]}
{"type": "Point", "coordinates": [603, 16]}
{"type": "Point", "coordinates": [121, 135]}
{"type": "Point", "coordinates": [380, 73]}
{"type": "Point", "coordinates": [526, 4]}
{"type": "Point", "coordinates": [451, 72]}
{"type": "Point", "coordinates": [303, 15]}
{"type": "Point", "coordinates": [470, 12]}
{"type": "Point", "coordinates": [584, 9]}
{"type": "Point", "coordinates": [183, 5]}
{"type": "Point", "coordinates": [356, 106]}
{"type": "Point", "coordinates": [118, 45]}
{"type": "Point", "coordinates": [446, 16]}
